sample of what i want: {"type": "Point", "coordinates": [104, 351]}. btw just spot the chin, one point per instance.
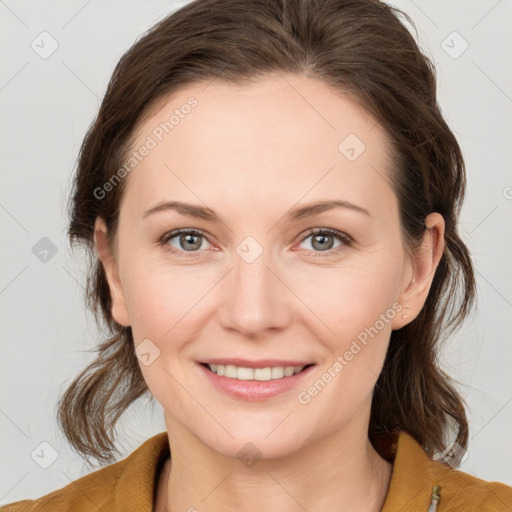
{"type": "Point", "coordinates": [254, 443]}
{"type": "Point", "coordinates": [250, 450]}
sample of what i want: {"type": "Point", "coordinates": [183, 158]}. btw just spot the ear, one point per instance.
{"type": "Point", "coordinates": [421, 271]}
{"type": "Point", "coordinates": [119, 310]}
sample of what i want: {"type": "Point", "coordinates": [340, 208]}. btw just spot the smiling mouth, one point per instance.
{"type": "Point", "coordinates": [258, 374]}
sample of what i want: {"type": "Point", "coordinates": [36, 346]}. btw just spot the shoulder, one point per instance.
{"type": "Point", "coordinates": [464, 491]}
{"type": "Point", "coordinates": [415, 475]}
{"type": "Point", "coordinates": [93, 490]}
{"type": "Point", "coordinates": [108, 488]}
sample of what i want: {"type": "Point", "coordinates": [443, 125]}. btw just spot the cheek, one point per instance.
{"type": "Point", "coordinates": [356, 307]}
{"type": "Point", "coordinates": [164, 304]}
{"type": "Point", "coordinates": [350, 297]}
{"type": "Point", "coordinates": [162, 299]}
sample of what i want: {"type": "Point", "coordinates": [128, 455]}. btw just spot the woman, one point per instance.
{"type": "Point", "coordinates": [270, 195]}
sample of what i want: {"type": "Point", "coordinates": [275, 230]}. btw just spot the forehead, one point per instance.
{"type": "Point", "coordinates": [278, 135]}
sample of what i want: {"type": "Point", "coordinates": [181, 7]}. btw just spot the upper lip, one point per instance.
{"type": "Point", "coordinates": [260, 363]}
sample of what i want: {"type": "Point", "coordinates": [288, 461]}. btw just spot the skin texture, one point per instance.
{"type": "Point", "coordinates": [251, 154]}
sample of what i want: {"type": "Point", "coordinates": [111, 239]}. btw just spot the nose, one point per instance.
{"type": "Point", "coordinates": [255, 298]}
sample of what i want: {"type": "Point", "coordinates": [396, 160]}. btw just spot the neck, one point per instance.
{"type": "Point", "coordinates": [343, 469]}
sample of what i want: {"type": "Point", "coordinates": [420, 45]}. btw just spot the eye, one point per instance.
{"type": "Point", "coordinates": [187, 240]}
{"type": "Point", "coordinates": [322, 240]}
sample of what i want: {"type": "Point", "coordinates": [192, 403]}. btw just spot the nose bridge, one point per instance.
{"type": "Point", "coordinates": [254, 298]}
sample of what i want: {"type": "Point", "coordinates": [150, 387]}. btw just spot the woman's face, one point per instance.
{"type": "Point", "coordinates": [256, 284]}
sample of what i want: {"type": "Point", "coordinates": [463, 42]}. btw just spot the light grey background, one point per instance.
{"type": "Point", "coordinates": [47, 105]}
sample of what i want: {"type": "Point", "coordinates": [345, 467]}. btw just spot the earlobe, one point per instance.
{"type": "Point", "coordinates": [119, 310]}
{"type": "Point", "coordinates": [424, 264]}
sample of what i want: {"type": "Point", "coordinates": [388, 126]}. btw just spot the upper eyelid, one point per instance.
{"type": "Point", "coordinates": [175, 232]}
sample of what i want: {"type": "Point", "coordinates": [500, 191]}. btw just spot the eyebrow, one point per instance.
{"type": "Point", "coordinates": [296, 214]}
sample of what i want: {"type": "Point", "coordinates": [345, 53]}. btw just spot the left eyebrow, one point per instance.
{"type": "Point", "coordinates": [307, 211]}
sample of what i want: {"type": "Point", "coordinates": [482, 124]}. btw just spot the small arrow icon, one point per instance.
{"type": "Point", "coordinates": [44, 455]}
{"type": "Point", "coordinates": [249, 249]}
{"type": "Point", "coordinates": [454, 45]}
{"type": "Point", "coordinates": [44, 44]}
{"type": "Point", "coordinates": [44, 250]}
{"type": "Point", "coordinates": [351, 147]}
{"type": "Point", "coordinates": [147, 352]}
{"type": "Point", "coordinates": [249, 455]}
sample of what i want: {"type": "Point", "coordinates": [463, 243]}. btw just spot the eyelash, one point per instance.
{"type": "Point", "coordinates": [342, 237]}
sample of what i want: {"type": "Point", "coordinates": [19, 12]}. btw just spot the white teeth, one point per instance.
{"type": "Point", "coordinates": [277, 372]}
{"type": "Point", "coordinates": [230, 371]}
{"type": "Point", "coordinates": [244, 374]}
{"type": "Point", "coordinates": [288, 371]}
{"type": "Point", "coordinates": [264, 374]}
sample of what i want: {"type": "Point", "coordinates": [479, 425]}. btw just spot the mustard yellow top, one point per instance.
{"type": "Point", "coordinates": [130, 484]}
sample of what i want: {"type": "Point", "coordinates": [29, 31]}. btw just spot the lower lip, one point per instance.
{"type": "Point", "coordinates": [255, 390]}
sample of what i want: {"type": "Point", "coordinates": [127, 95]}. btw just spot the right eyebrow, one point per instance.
{"type": "Point", "coordinates": [189, 210]}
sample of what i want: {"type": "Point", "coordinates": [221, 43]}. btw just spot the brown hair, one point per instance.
{"type": "Point", "coordinates": [359, 47]}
